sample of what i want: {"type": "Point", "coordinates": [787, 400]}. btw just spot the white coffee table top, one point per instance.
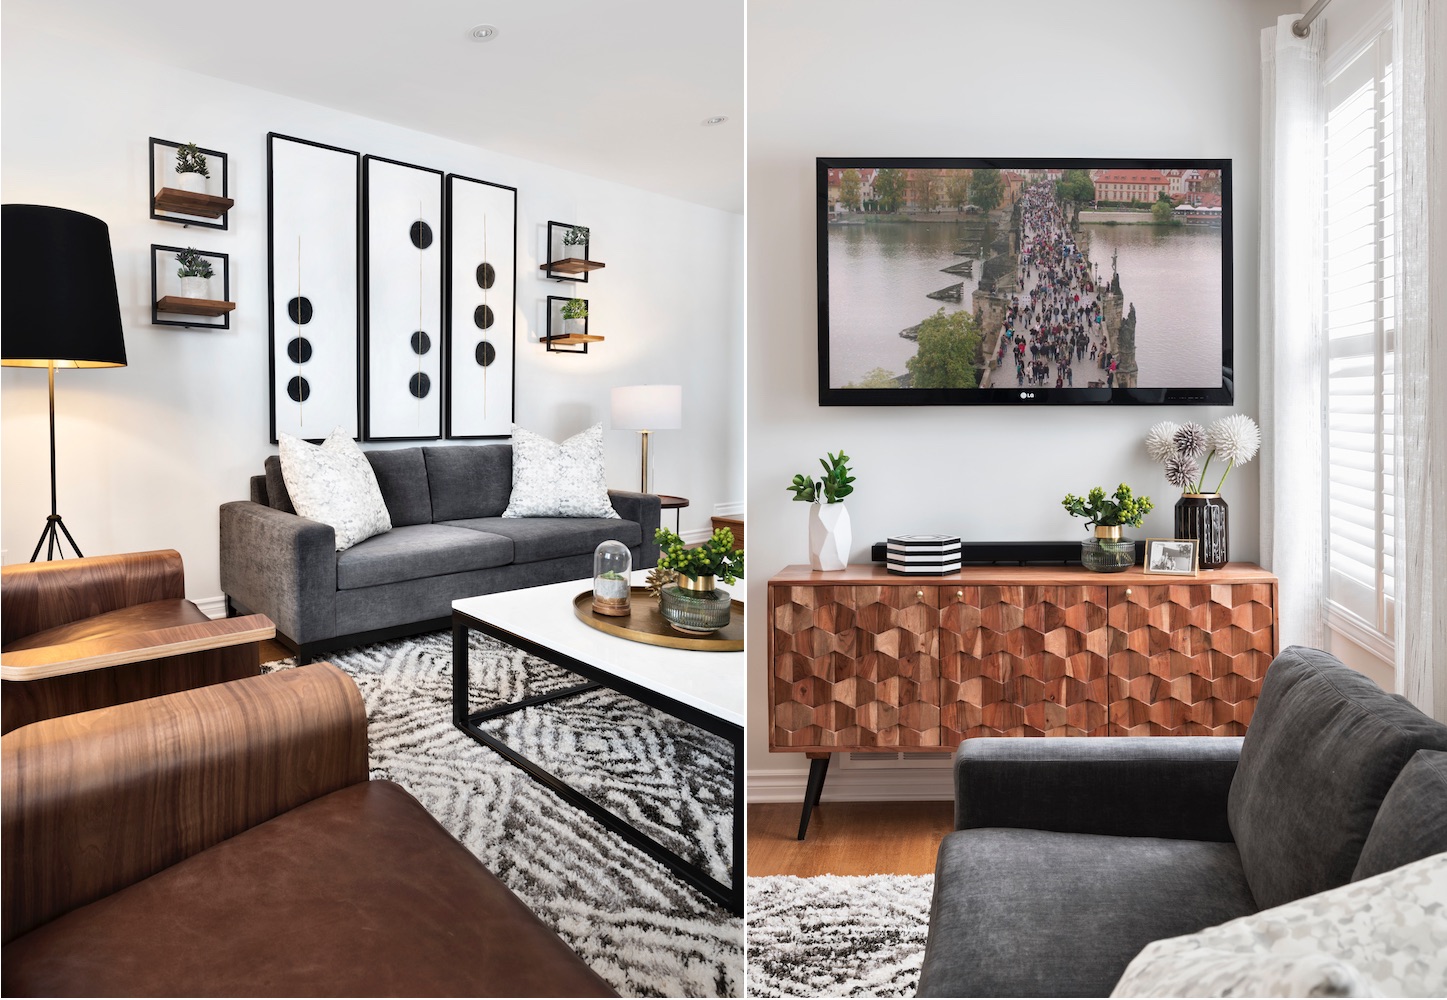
{"type": "Point", "coordinates": [710, 682]}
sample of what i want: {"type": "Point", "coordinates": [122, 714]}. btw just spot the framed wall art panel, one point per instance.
{"type": "Point", "coordinates": [402, 292]}
{"type": "Point", "coordinates": [313, 275]}
{"type": "Point", "coordinates": [481, 307]}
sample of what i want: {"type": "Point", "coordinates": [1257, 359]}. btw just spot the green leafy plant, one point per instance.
{"type": "Point", "coordinates": [610, 574]}
{"type": "Point", "coordinates": [193, 264]}
{"type": "Point", "coordinates": [190, 160]}
{"type": "Point", "coordinates": [575, 309]}
{"type": "Point", "coordinates": [833, 488]}
{"type": "Point", "coordinates": [576, 236]}
{"type": "Point", "coordinates": [716, 557]}
{"type": "Point", "coordinates": [1120, 509]}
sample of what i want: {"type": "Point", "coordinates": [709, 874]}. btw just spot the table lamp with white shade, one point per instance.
{"type": "Point", "coordinates": [647, 408]}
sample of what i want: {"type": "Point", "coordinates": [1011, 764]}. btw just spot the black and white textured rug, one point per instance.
{"type": "Point", "coordinates": [837, 935]}
{"type": "Point", "coordinates": [634, 923]}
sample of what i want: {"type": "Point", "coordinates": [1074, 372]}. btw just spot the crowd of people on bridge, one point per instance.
{"type": "Point", "coordinates": [1054, 322]}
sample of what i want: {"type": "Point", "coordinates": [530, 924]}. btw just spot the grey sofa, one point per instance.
{"type": "Point", "coordinates": [448, 541]}
{"type": "Point", "coordinates": [1071, 855]}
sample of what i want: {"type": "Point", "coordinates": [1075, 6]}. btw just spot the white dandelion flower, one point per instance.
{"type": "Point", "coordinates": [1235, 438]}
{"type": "Point", "coordinates": [1190, 440]}
{"type": "Point", "coordinates": [1161, 440]}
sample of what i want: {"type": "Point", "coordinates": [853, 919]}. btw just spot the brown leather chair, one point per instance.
{"type": "Point", "coordinates": [225, 841]}
{"type": "Point", "coordinates": [86, 633]}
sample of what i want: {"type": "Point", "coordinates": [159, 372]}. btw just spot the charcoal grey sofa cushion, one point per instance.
{"type": "Point", "coordinates": [469, 481]}
{"type": "Point", "coordinates": [1324, 746]}
{"type": "Point", "coordinates": [537, 538]}
{"type": "Point", "coordinates": [277, 497]}
{"type": "Point", "coordinates": [402, 477]}
{"type": "Point", "coordinates": [1412, 823]}
{"type": "Point", "coordinates": [1037, 913]}
{"type": "Point", "coordinates": [414, 551]}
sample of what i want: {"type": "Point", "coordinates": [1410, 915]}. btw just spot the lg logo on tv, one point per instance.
{"type": "Point", "coordinates": [1027, 395]}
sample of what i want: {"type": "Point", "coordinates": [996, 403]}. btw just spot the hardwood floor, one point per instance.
{"type": "Point", "coordinates": [848, 838]}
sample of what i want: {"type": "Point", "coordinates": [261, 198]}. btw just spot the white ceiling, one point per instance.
{"type": "Point", "coordinates": [610, 88]}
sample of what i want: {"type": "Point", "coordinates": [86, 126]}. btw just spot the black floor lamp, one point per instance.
{"type": "Point", "coordinates": [59, 310]}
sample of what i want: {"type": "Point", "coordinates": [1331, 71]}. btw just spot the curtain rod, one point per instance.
{"type": "Point", "coordinates": [1301, 27]}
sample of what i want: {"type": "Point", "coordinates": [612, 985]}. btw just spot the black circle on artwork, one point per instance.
{"type": "Point", "coordinates": [298, 389]}
{"type": "Point", "coordinates": [486, 275]}
{"type": "Point", "coordinates": [419, 385]}
{"type": "Point", "coordinates": [421, 343]}
{"type": "Point", "coordinates": [421, 235]}
{"type": "Point", "coordinates": [300, 310]}
{"type": "Point", "coordinates": [482, 316]}
{"type": "Point", "coordinates": [486, 354]}
{"type": "Point", "coordinates": [299, 350]}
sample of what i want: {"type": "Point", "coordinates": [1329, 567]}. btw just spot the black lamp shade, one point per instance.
{"type": "Point", "coordinates": [59, 302]}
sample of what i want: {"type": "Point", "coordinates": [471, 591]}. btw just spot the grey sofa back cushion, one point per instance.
{"type": "Point", "coordinates": [469, 481]}
{"type": "Point", "coordinates": [258, 490]}
{"type": "Point", "coordinates": [277, 496]}
{"type": "Point", "coordinates": [1322, 750]}
{"type": "Point", "coordinates": [402, 477]}
{"type": "Point", "coordinates": [1412, 823]}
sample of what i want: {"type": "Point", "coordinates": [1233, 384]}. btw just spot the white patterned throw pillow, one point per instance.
{"type": "Point", "coordinates": [558, 480]}
{"type": "Point", "coordinates": [334, 484]}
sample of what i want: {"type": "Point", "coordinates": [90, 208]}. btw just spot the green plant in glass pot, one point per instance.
{"type": "Point", "coordinates": [1106, 551]}
{"type": "Point", "coordinates": [694, 603]}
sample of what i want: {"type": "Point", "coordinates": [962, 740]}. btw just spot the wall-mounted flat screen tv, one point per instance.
{"type": "Point", "coordinates": [1024, 281]}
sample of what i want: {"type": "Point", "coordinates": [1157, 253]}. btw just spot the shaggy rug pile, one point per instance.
{"type": "Point", "coordinates": [837, 935]}
{"type": "Point", "coordinates": [635, 924]}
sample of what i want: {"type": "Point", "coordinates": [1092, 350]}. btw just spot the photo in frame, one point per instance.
{"type": "Point", "coordinates": [1171, 556]}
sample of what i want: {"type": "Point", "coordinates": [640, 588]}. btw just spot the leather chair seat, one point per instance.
{"type": "Point", "coordinates": [357, 893]}
{"type": "Point", "coordinates": [122, 621]}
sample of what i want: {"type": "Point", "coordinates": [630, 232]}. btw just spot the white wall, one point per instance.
{"type": "Point", "coordinates": [942, 78]}
{"type": "Point", "coordinates": [147, 453]}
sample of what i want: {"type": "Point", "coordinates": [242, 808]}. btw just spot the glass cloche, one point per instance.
{"type": "Point", "coordinates": [612, 573]}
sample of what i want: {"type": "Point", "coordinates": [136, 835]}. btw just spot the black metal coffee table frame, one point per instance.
{"type": "Point", "coordinates": [727, 895]}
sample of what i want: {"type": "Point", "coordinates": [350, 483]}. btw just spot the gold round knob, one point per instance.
{"type": "Point", "coordinates": [1127, 592]}
{"type": "Point", "coordinates": [919, 594]}
{"type": "Point", "coordinates": [960, 594]}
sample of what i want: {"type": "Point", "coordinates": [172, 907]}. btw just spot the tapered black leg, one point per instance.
{"type": "Point", "coordinates": [817, 769]}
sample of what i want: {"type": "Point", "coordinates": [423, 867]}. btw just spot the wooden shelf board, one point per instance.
{"type": "Point", "coordinates": [574, 338]}
{"type": "Point", "coordinates": [571, 265]}
{"type": "Point", "coordinates": [193, 307]}
{"type": "Point", "coordinates": [207, 206]}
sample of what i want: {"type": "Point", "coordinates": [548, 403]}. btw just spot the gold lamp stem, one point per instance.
{"type": "Point", "coordinates": [644, 488]}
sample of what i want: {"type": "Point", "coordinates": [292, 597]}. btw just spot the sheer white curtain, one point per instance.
{"type": "Point", "coordinates": [1292, 506]}
{"type": "Point", "coordinates": [1420, 110]}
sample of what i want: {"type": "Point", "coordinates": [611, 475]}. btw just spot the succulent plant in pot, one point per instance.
{"type": "Point", "coordinates": [195, 273]}
{"type": "Point", "coordinates": [1106, 551]}
{"type": "Point", "coordinates": [575, 242]}
{"type": "Point", "coordinates": [191, 169]}
{"type": "Point", "coordinates": [575, 311]}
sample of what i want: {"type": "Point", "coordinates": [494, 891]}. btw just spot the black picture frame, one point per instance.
{"type": "Point", "coordinates": [1224, 394]}
{"type": "Point", "coordinates": [556, 232]}
{"type": "Point", "coordinates": [157, 252]}
{"type": "Point", "coordinates": [187, 220]}
{"type": "Point", "coordinates": [365, 357]}
{"type": "Point", "coordinates": [554, 312]}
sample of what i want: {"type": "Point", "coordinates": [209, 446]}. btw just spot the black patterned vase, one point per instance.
{"type": "Point", "coordinates": [1202, 516]}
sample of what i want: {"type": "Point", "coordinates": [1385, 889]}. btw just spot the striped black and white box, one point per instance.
{"type": "Point", "coordinates": [923, 555]}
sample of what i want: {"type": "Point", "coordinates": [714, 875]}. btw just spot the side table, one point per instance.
{"type": "Point", "coordinates": [675, 504]}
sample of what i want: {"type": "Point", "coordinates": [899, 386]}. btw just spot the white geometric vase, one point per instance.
{"type": "Point", "coordinates": [829, 536]}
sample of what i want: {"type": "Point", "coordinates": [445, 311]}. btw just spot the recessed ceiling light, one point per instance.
{"type": "Point", "coordinates": [715, 120]}
{"type": "Point", "coordinates": [482, 33]}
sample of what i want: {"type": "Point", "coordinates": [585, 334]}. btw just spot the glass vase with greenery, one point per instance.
{"type": "Point", "coordinates": [694, 603]}
{"type": "Point", "coordinates": [1106, 551]}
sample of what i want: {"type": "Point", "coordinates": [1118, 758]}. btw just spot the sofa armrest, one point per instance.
{"type": "Point", "coordinates": [101, 800]}
{"type": "Point", "coordinates": [1125, 786]}
{"type": "Point", "coordinates": [281, 565]}
{"type": "Point", "coordinates": [38, 596]}
{"type": "Point", "coordinates": [643, 508]}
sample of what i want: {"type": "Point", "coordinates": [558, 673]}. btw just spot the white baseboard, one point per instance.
{"type": "Point", "coordinates": [696, 535]}
{"type": "Point", "coordinates": [732, 508]}
{"type": "Point", "coordinates": [212, 607]}
{"type": "Point", "coordinates": [840, 785]}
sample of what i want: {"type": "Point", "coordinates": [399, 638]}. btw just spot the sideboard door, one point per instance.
{"type": "Point", "coordinates": [1187, 659]}
{"type": "Point", "coordinates": [854, 667]}
{"type": "Point", "coordinates": [1023, 661]}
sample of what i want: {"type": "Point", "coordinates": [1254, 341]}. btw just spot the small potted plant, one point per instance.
{"type": "Point", "coordinates": [1200, 514]}
{"type": "Point", "coordinates": [612, 576]}
{"type": "Point", "coordinates": [1106, 551]}
{"type": "Point", "coordinates": [191, 169]}
{"type": "Point", "coordinates": [195, 274]}
{"type": "Point", "coordinates": [694, 603]}
{"type": "Point", "coordinates": [829, 533]}
{"type": "Point", "coordinates": [575, 311]}
{"type": "Point", "coordinates": [575, 243]}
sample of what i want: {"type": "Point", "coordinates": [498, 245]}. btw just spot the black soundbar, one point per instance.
{"type": "Point", "coordinates": [1015, 553]}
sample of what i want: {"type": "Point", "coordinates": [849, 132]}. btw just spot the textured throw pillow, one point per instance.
{"type": "Point", "coordinates": [334, 484]}
{"type": "Point", "coordinates": [558, 480]}
{"type": "Point", "coordinates": [1384, 936]}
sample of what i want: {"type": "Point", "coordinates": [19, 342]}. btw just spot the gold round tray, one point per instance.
{"type": "Point", "coordinates": [644, 623]}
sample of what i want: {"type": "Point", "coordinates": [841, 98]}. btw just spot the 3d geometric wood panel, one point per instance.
{"type": "Point", "coordinates": [854, 667]}
{"type": "Point", "coordinates": [1188, 659]}
{"type": "Point", "coordinates": [1023, 661]}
